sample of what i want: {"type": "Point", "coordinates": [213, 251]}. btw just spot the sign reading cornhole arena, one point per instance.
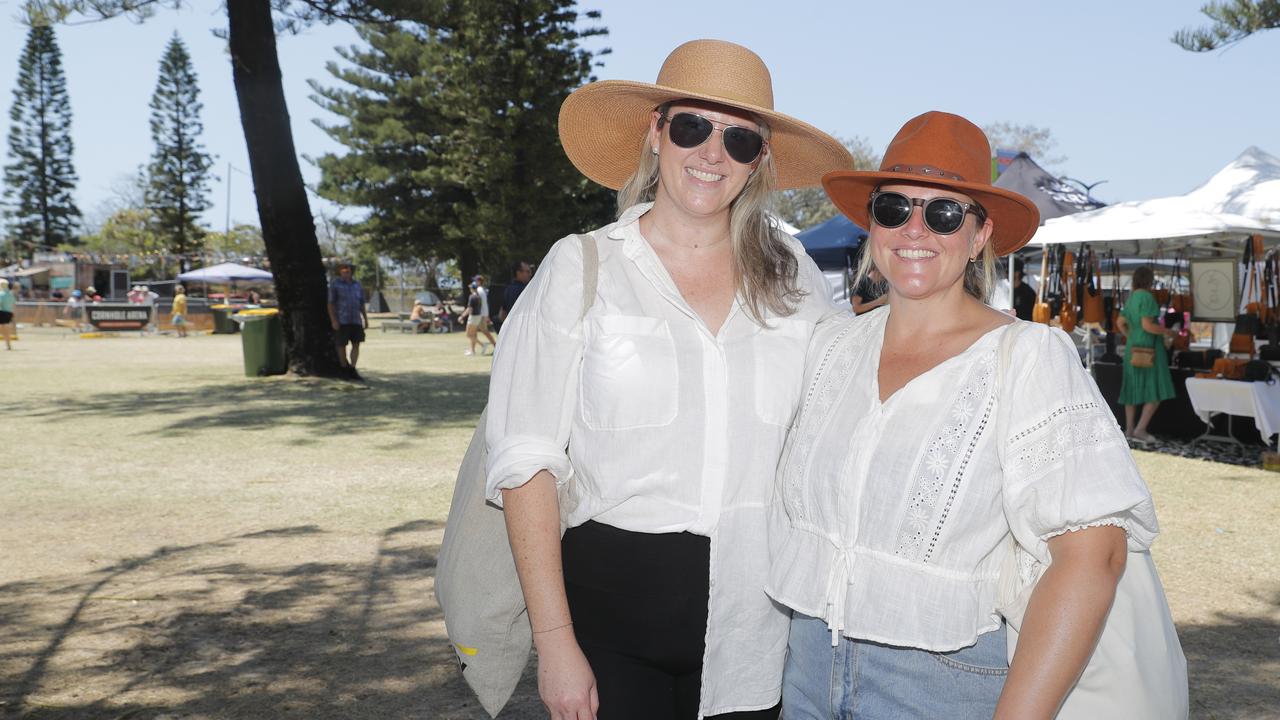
{"type": "Point", "coordinates": [118, 316]}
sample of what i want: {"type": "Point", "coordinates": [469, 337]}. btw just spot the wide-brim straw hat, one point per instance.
{"type": "Point", "coordinates": [603, 124]}
{"type": "Point", "coordinates": [942, 150]}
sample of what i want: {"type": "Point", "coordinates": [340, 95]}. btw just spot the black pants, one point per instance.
{"type": "Point", "coordinates": [639, 608]}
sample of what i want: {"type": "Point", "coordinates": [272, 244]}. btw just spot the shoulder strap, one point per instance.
{"type": "Point", "coordinates": [590, 272]}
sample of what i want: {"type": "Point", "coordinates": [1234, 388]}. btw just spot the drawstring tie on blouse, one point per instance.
{"type": "Point", "coordinates": [837, 589]}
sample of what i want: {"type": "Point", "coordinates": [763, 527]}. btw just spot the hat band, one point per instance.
{"type": "Point", "coordinates": [926, 170]}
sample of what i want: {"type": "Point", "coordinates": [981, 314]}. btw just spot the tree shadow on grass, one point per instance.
{"type": "Point", "coordinates": [1233, 665]}
{"type": "Point", "coordinates": [185, 633]}
{"type": "Point", "coordinates": [411, 402]}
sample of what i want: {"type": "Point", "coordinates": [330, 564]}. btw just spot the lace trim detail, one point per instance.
{"type": "Point", "coordinates": [945, 461]}
{"type": "Point", "coordinates": [1085, 425]}
{"type": "Point", "coordinates": [1113, 520]}
{"type": "Point", "coordinates": [817, 403]}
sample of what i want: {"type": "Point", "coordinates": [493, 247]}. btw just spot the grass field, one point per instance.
{"type": "Point", "coordinates": [180, 541]}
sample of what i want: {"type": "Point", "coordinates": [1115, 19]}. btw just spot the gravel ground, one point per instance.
{"type": "Point", "coordinates": [180, 541]}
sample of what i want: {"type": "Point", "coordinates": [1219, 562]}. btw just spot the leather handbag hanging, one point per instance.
{"type": "Point", "coordinates": [1040, 311]}
{"type": "Point", "coordinates": [1181, 300]}
{"type": "Point", "coordinates": [1159, 289]}
{"type": "Point", "coordinates": [1247, 322]}
{"type": "Point", "coordinates": [1067, 316]}
{"type": "Point", "coordinates": [1094, 309]}
{"type": "Point", "coordinates": [1117, 302]}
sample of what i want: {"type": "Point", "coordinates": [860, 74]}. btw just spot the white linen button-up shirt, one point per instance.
{"type": "Point", "coordinates": [668, 427]}
{"type": "Point", "coordinates": [894, 517]}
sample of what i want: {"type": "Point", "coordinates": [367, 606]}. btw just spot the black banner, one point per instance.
{"type": "Point", "coordinates": [119, 316]}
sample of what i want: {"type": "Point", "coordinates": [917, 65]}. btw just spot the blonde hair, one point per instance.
{"type": "Point", "coordinates": [4, 284]}
{"type": "Point", "coordinates": [766, 269]}
{"type": "Point", "coordinates": [979, 276]}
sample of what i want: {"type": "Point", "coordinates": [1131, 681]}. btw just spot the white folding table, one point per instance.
{"type": "Point", "coordinates": [1258, 400]}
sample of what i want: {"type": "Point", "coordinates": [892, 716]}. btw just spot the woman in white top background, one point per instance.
{"type": "Point", "coordinates": [913, 460]}
{"type": "Point", "coordinates": [667, 404]}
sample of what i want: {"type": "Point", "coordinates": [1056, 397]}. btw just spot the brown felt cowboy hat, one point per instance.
{"type": "Point", "coordinates": [946, 151]}
{"type": "Point", "coordinates": [603, 124]}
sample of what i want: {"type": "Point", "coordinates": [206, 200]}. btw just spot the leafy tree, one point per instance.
{"type": "Point", "coordinates": [1035, 141]}
{"type": "Point", "coordinates": [1233, 21]}
{"type": "Point", "coordinates": [178, 177]}
{"type": "Point", "coordinates": [242, 240]}
{"type": "Point", "coordinates": [41, 178]}
{"type": "Point", "coordinates": [806, 207]}
{"type": "Point", "coordinates": [129, 231]}
{"type": "Point", "coordinates": [283, 211]}
{"type": "Point", "coordinates": [451, 133]}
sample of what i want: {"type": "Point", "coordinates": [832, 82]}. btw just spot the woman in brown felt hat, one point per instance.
{"type": "Point", "coordinates": [672, 394]}
{"type": "Point", "coordinates": [936, 429]}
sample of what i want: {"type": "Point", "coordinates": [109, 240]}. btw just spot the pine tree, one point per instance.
{"type": "Point", "coordinates": [178, 176]}
{"type": "Point", "coordinates": [452, 133]}
{"type": "Point", "coordinates": [40, 178]}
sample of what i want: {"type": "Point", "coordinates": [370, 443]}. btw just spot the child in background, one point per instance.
{"type": "Point", "coordinates": [179, 313]}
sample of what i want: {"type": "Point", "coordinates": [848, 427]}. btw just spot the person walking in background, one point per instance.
{"type": "Point", "coordinates": [1024, 298]}
{"type": "Point", "coordinates": [521, 274]}
{"type": "Point", "coordinates": [475, 317]}
{"type": "Point", "coordinates": [667, 402]}
{"type": "Point", "coordinates": [1146, 381]}
{"type": "Point", "coordinates": [7, 308]}
{"type": "Point", "coordinates": [178, 316]}
{"type": "Point", "coordinates": [74, 309]}
{"type": "Point", "coordinates": [348, 316]}
{"type": "Point", "coordinates": [486, 322]}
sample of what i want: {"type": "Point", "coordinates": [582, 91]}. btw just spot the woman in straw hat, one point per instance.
{"type": "Point", "coordinates": [672, 395]}
{"type": "Point", "coordinates": [892, 544]}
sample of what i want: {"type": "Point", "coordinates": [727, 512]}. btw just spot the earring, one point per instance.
{"type": "Point", "coordinates": [973, 259]}
{"type": "Point", "coordinates": [654, 150]}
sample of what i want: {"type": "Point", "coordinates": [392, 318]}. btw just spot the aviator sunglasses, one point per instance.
{"type": "Point", "coordinates": [942, 215]}
{"type": "Point", "coordinates": [689, 131]}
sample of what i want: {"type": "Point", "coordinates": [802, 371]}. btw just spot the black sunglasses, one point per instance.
{"type": "Point", "coordinates": [942, 215]}
{"type": "Point", "coordinates": [689, 130]}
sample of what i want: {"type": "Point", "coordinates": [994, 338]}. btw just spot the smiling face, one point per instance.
{"type": "Point", "coordinates": [919, 263]}
{"type": "Point", "coordinates": [701, 181]}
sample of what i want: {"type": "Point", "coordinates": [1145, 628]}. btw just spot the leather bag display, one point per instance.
{"type": "Point", "coordinates": [1093, 308]}
{"type": "Point", "coordinates": [476, 582]}
{"type": "Point", "coordinates": [1040, 311]}
{"type": "Point", "coordinates": [1067, 315]}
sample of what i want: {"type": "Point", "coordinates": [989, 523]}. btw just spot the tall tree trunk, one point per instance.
{"type": "Point", "coordinates": [287, 226]}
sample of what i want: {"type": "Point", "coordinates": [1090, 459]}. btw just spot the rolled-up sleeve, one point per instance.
{"type": "Point", "coordinates": [533, 389]}
{"type": "Point", "coordinates": [1067, 464]}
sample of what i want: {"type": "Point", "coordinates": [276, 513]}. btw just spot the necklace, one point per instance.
{"type": "Point", "coordinates": [698, 246]}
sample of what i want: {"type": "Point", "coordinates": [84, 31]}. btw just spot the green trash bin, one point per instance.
{"type": "Point", "coordinates": [262, 339]}
{"type": "Point", "coordinates": [222, 322]}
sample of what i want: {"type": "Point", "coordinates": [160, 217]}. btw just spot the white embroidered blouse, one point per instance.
{"type": "Point", "coordinates": [669, 427]}
{"type": "Point", "coordinates": [893, 518]}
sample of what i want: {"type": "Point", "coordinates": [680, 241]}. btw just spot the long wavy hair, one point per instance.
{"type": "Point", "coordinates": [766, 268]}
{"type": "Point", "coordinates": [979, 277]}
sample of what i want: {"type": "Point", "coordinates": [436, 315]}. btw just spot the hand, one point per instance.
{"type": "Point", "coordinates": [565, 681]}
{"type": "Point", "coordinates": [334, 323]}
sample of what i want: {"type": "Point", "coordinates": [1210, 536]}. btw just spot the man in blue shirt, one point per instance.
{"type": "Point", "coordinates": [347, 314]}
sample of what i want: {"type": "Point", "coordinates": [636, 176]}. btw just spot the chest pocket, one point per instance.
{"type": "Point", "coordinates": [629, 374]}
{"type": "Point", "coordinates": [779, 358]}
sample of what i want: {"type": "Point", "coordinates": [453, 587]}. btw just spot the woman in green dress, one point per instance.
{"type": "Point", "coordinates": [1145, 386]}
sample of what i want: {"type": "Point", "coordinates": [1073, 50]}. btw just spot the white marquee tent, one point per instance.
{"type": "Point", "coordinates": [1240, 200]}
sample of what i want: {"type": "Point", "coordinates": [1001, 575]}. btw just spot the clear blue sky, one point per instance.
{"type": "Point", "coordinates": [1124, 103]}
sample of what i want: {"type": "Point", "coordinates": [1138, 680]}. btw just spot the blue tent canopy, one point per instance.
{"type": "Point", "coordinates": [833, 244]}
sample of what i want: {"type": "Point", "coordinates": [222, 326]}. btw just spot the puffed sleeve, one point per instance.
{"type": "Point", "coordinates": [533, 387]}
{"type": "Point", "coordinates": [1066, 463]}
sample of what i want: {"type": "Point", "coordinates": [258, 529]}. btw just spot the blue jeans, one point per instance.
{"type": "Point", "coordinates": [860, 680]}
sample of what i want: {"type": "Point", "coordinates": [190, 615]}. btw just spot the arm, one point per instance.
{"type": "Point", "coordinates": [1153, 327]}
{"type": "Point", "coordinates": [1064, 619]}
{"type": "Point", "coordinates": [1122, 324]}
{"type": "Point", "coordinates": [565, 681]}
{"type": "Point", "coordinates": [333, 309]}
